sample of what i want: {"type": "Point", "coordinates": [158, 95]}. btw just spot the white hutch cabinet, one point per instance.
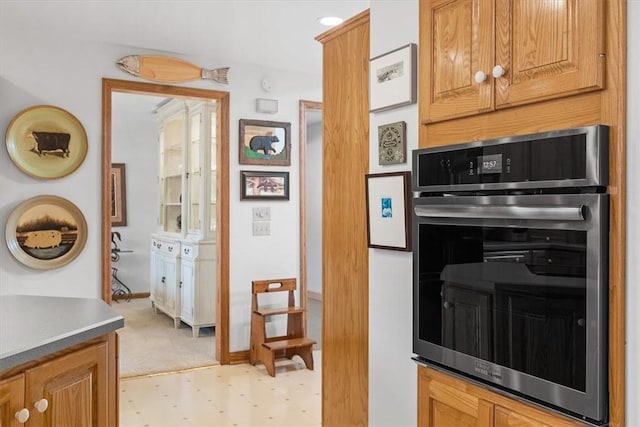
{"type": "Point", "coordinates": [187, 214]}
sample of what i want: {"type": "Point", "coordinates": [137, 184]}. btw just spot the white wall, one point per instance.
{"type": "Point", "coordinates": [392, 373]}
{"type": "Point", "coordinates": [134, 142]}
{"type": "Point", "coordinates": [68, 75]}
{"type": "Point", "coordinates": [633, 213]}
{"type": "Point", "coordinates": [313, 192]}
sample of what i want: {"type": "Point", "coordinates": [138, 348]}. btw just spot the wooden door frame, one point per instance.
{"type": "Point", "coordinates": [110, 86]}
{"type": "Point", "coordinates": [305, 107]}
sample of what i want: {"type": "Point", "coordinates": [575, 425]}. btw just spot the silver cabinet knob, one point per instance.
{"type": "Point", "coordinates": [498, 71]}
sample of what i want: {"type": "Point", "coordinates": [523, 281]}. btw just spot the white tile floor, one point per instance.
{"type": "Point", "coordinates": [230, 395]}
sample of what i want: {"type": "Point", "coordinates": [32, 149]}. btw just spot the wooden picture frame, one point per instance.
{"type": "Point", "coordinates": [118, 195]}
{"type": "Point", "coordinates": [392, 79]}
{"type": "Point", "coordinates": [388, 217]}
{"type": "Point", "coordinates": [259, 185]}
{"type": "Point", "coordinates": [265, 143]}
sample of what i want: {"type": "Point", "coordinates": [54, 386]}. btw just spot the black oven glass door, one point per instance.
{"type": "Point", "coordinates": [516, 281]}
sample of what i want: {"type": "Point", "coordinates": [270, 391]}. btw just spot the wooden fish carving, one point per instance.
{"type": "Point", "coordinates": [167, 69]}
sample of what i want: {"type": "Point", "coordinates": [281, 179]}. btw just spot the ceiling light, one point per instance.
{"type": "Point", "coordinates": [330, 21]}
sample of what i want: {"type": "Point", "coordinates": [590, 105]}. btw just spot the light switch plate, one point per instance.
{"type": "Point", "coordinates": [262, 214]}
{"type": "Point", "coordinates": [262, 228]}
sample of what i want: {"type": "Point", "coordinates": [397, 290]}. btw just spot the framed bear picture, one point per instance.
{"type": "Point", "coordinates": [265, 143]}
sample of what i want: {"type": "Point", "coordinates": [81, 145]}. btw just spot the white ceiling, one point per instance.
{"type": "Point", "coordinates": [273, 33]}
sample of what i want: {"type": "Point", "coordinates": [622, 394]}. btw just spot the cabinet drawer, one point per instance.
{"type": "Point", "coordinates": [166, 247]}
{"type": "Point", "coordinates": [189, 251]}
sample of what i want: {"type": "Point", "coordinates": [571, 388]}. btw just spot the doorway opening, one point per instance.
{"type": "Point", "coordinates": [218, 186]}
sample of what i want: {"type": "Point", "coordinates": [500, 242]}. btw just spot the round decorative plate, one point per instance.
{"type": "Point", "coordinates": [46, 142]}
{"type": "Point", "coordinates": [46, 232]}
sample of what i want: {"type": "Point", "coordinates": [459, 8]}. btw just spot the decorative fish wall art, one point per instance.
{"type": "Point", "coordinates": [167, 69]}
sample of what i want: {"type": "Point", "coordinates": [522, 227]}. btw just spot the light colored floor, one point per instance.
{"type": "Point", "coordinates": [229, 395]}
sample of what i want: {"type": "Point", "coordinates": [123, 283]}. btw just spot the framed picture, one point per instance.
{"type": "Point", "coordinates": [46, 232]}
{"type": "Point", "coordinates": [265, 143]}
{"type": "Point", "coordinates": [46, 142]}
{"type": "Point", "coordinates": [392, 79]}
{"type": "Point", "coordinates": [388, 219]}
{"type": "Point", "coordinates": [392, 148]}
{"type": "Point", "coordinates": [258, 185]}
{"type": "Point", "coordinates": [118, 195]}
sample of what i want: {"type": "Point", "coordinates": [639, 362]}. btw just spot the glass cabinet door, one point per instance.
{"type": "Point", "coordinates": [213, 171]}
{"type": "Point", "coordinates": [170, 182]}
{"type": "Point", "coordinates": [194, 174]}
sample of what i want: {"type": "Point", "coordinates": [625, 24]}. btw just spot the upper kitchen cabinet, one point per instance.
{"type": "Point", "coordinates": [480, 55]}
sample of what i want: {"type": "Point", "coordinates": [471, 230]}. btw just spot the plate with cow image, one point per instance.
{"type": "Point", "coordinates": [46, 232]}
{"type": "Point", "coordinates": [46, 142]}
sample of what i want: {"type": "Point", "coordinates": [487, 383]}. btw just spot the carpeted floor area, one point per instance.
{"type": "Point", "coordinates": [149, 343]}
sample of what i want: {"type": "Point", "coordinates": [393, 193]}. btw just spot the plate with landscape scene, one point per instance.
{"type": "Point", "coordinates": [46, 232]}
{"type": "Point", "coordinates": [46, 142]}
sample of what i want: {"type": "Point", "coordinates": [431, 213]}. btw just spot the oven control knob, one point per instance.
{"type": "Point", "coordinates": [581, 322]}
{"type": "Point", "coordinates": [447, 304]}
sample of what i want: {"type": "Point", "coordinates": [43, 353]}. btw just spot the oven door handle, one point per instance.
{"type": "Point", "coordinates": [549, 213]}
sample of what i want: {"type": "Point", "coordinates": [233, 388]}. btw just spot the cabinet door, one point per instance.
{"type": "Point", "coordinates": [75, 387]}
{"type": "Point", "coordinates": [459, 44]}
{"type": "Point", "coordinates": [548, 49]}
{"type": "Point", "coordinates": [157, 279]}
{"type": "Point", "coordinates": [11, 400]}
{"type": "Point", "coordinates": [442, 405]}
{"type": "Point", "coordinates": [467, 321]}
{"type": "Point", "coordinates": [170, 284]}
{"type": "Point", "coordinates": [187, 289]}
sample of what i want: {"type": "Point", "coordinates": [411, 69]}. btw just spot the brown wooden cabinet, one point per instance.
{"type": "Point", "coordinates": [480, 55]}
{"type": "Point", "coordinates": [71, 388]}
{"type": "Point", "coordinates": [447, 401]}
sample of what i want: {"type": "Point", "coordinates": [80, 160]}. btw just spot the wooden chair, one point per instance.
{"type": "Point", "coordinates": [266, 349]}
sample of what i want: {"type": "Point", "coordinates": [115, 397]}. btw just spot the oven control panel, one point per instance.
{"type": "Point", "coordinates": [550, 159]}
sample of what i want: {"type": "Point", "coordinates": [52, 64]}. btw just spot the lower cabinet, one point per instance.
{"type": "Point", "coordinates": [71, 389]}
{"type": "Point", "coordinates": [198, 285]}
{"type": "Point", "coordinates": [447, 401]}
{"type": "Point", "coordinates": [183, 281]}
{"type": "Point", "coordinates": [165, 278]}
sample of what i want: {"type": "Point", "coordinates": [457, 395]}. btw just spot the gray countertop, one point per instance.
{"type": "Point", "coordinates": [36, 326]}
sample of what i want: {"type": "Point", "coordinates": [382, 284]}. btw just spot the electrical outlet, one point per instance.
{"type": "Point", "coordinates": [262, 214]}
{"type": "Point", "coordinates": [262, 228]}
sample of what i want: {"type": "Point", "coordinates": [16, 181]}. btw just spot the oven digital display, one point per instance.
{"type": "Point", "coordinates": [490, 164]}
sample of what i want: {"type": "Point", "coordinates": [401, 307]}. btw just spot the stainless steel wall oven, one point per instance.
{"type": "Point", "coordinates": [511, 265]}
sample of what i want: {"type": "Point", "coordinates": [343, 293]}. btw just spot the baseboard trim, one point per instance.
{"type": "Point", "coordinates": [316, 296]}
{"type": "Point", "coordinates": [236, 357]}
{"type": "Point", "coordinates": [132, 296]}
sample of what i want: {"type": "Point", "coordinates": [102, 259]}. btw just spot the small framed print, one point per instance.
{"type": "Point", "coordinates": [388, 199]}
{"type": "Point", "coordinates": [258, 185]}
{"type": "Point", "coordinates": [392, 79]}
{"type": "Point", "coordinates": [265, 143]}
{"type": "Point", "coordinates": [118, 195]}
{"type": "Point", "coordinates": [392, 148]}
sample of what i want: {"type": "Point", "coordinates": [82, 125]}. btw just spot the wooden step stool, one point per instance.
{"type": "Point", "coordinates": [266, 349]}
